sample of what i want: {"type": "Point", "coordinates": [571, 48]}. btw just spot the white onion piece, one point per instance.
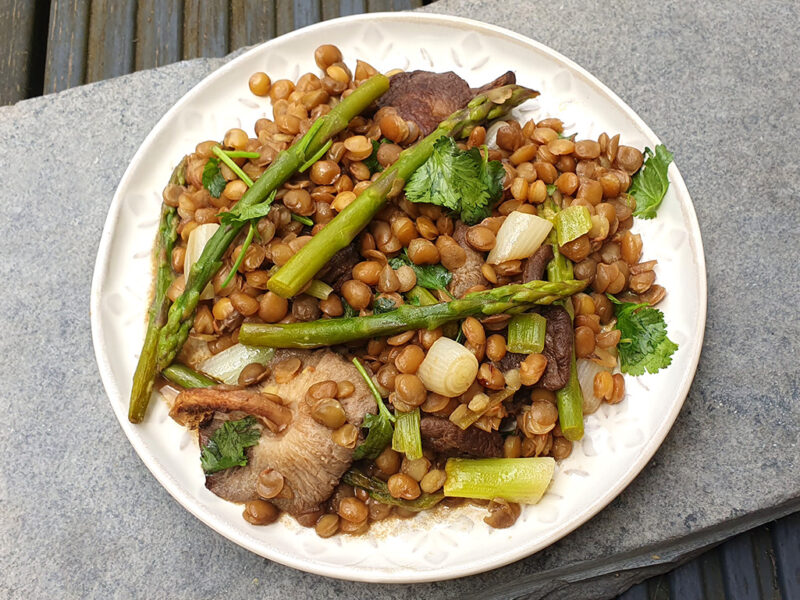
{"type": "Point", "coordinates": [448, 369]}
{"type": "Point", "coordinates": [587, 369]}
{"type": "Point", "coordinates": [491, 134]}
{"type": "Point", "coordinates": [198, 239]}
{"type": "Point", "coordinates": [519, 237]}
{"type": "Point", "coordinates": [227, 365]}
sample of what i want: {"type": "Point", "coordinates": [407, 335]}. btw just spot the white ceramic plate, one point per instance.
{"type": "Point", "coordinates": [619, 439]}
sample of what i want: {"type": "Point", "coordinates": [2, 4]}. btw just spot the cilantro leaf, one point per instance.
{"type": "Point", "coordinates": [349, 311]}
{"type": "Point", "coordinates": [244, 215]}
{"type": "Point", "coordinates": [379, 436]}
{"type": "Point", "coordinates": [650, 184]}
{"type": "Point", "coordinates": [372, 160]}
{"type": "Point", "coordinates": [383, 304]}
{"type": "Point", "coordinates": [644, 345]}
{"type": "Point", "coordinates": [463, 181]}
{"type": "Point", "coordinates": [213, 180]}
{"type": "Point", "coordinates": [433, 277]}
{"type": "Point", "coordinates": [226, 447]}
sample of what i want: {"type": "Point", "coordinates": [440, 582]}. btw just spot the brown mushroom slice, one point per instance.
{"type": "Point", "coordinates": [195, 406]}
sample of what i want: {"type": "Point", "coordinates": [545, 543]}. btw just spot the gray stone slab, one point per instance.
{"type": "Point", "coordinates": [80, 515]}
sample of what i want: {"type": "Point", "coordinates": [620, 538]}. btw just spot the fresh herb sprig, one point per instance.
{"type": "Point", "coordinates": [379, 425]}
{"type": "Point", "coordinates": [465, 181]}
{"type": "Point", "coordinates": [650, 184]}
{"type": "Point", "coordinates": [226, 447]}
{"type": "Point", "coordinates": [644, 345]}
{"type": "Point", "coordinates": [433, 277]}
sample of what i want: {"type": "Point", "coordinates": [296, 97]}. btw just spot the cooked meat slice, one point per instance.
{"type": "Point", "coordinates": [558, 341]}
{"type": "Point", "coordinates": [426, 98]}
{"type": "Point", "coordinates": [193, 407]}
{"type": "Point", "coordinates": [442, 435]}
{"type": "Point", "coordinates": [506, 78]}
{"type": "Point", "coordinates": [340, 267]}
{"type": "Point", "coordinates": [304, 453]}
{"type": "Point", "coordinates": [536, 264]}
{"type": "Point", "coordinates": [557, 347]}
{"type": "Point", "coordinates": [469, 274]}
{"type": "Point", "coordinates": [511, 360]}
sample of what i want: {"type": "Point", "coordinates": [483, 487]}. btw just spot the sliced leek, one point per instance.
{"type": "Point", "coordinates": [526, 333]}
{"type": "Point", "coordinates": [448, 369]}
{"type": "Point", "coordinates": [519, 237]}
{"type": "Point", "coordinates": [522, 480]}
{"type": "Point", "coordinates": [407, 437]}
{"type": "Point", "coordinates": [227, 365]}
{"type": "Point", "coordinates": [571, 223]}
{"type": "Point", "coordinates": [198, 239]}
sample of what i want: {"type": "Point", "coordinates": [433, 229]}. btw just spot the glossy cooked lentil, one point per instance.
{"type": "Point", "coordinates": [540, 160]}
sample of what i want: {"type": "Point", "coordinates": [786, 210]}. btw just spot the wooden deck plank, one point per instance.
{"type": "Point", "coordinates": [637, 592]}
{"type": "Point", "coordinates": [252, 22]}
{"type": "Point", "coordinates": [764, 555]}
{"type": "Point", "coordinates": [686, 582]}
{"type": "Point", "coordinates": [284, 16]}
{"type": "Point", "coordinates": [67, 42]}
{"type": "Point", "coordinates": [112, 24]}
{"type": "Point", "coordinates": [205, 28]}
{"type": "Point", "coordinates": [17, 17]}
{"type": "Point", "coordinates": [713, 583]}
{"type": "Point", "coordinates": [786, 542]}
{"type": "Point", "coordinates": [739, 569]}
{"type": "Point", "coordinates": [379, 5]}
{"type": "Point", "coordinates": [159, 25]}
{"type": "Point", "coordinates": [306, 12]}
{"type": "Point", "coordinates": [407, 4]}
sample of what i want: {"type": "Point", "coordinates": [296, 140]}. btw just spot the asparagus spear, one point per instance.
{"type": "Point", "coordinates": [186, 377]}
{"type": "Point", "coordinates": [328, 332]}
{"type": "Point", "coordinates": [146, 367]}
{"type": "Point", "coordinates": [379, 491]}
{"type": "Point", "coordinates": [181, 315]}
{"type": "Point", "coordinates": [337, 234]}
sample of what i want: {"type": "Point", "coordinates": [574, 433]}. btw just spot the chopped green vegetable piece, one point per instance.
{"type": "Point", "coordinates": [320, 153]}
{"type": "Point", "coordinates": [241, 154]}
{"type": "Point", "coordinates": [213, 180]}
{"type": "Point", "coordinates": [465, 181]}
{"type": "Point", "coordinates": [433, 277]}
{"type": "Point", "coordinates": [551, 189]}
{"type": "Point", "coordinates": [644, 345]}
{"type": "Point", "coordinates": [379, 491]}
{"type": "Point", "coordinates": [242, 216]}
{"type": "Point", "coordinates": [407, 437]}
{"type": "Point", "coordinates": [245, 245]}
{"type": "Point", "coordinates": [349, 311]}
{"type": "Point", "coordinates": [569, 400]}
{"type": "Point", "coordinates": [571, 223]}
{"type": "Point", "coordinates": [372, 160]}
{"type": "Point", "coordinates": [379, 425]}
{"type": "Point", "coordinates": [303, 220]}
{"type": "Point", "coordinates": [419, 296]}
{"type": "Point", "coordinates": [522, 480]}
{"type": "Point", "coordinates": [232, 166]}
{"type": "Point", "coordinates": [187, 377]}
{"type": "Point", "coordinates": [526, 333]}
{"type": "Point", "coordinates": [649, 185]}
{"type": "Point", "coordinates": [319, 289]}
{"type": "Point", "coordinates": [383, 304]}
{"type": "Point", "coordinates": [226, 447]}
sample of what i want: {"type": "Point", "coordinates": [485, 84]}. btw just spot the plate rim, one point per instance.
{"type": "Point", "coordinates": [357, 573]}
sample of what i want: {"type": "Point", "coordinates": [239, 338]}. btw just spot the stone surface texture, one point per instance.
{"type": "Point", "coordinates": [81, 516]}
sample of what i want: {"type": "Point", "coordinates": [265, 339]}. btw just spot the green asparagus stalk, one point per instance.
{"type": "Point", "coordinates": [146, 367]}
{"type": "Point", "coordinates": [337, 234]}
{"type": "Point", "coordinates": [569, 399]}
{"type": "Point", "coordinates": [379, 491]}
{"type": "Point", "coordinates": [181, 315]}
{"type": "Point", "coordinates": [328, 332]}
{"type": "Point", "coordinates": [187, 377]}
